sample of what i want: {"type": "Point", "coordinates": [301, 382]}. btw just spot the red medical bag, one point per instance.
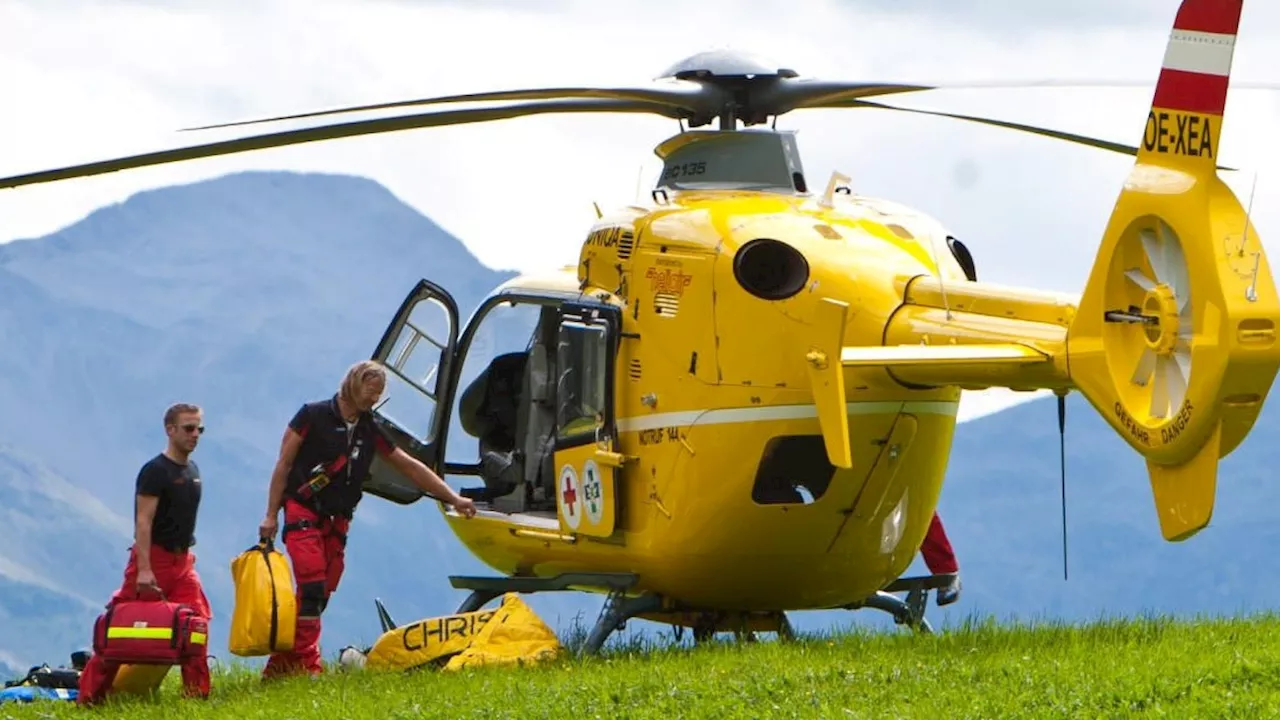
{"type": "Point", "coordinates": [149, 632]}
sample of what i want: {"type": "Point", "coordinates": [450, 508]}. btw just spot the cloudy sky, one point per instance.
{"type": "Point", "coordinates": [93, 79]}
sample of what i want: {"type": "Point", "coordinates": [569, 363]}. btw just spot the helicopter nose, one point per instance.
{"type": "Point", "coordinates": [770, 269]}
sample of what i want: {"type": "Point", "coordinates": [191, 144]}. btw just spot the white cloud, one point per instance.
{"type": "Point", "coordinates": [92, 80]}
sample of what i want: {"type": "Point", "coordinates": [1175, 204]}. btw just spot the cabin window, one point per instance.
{"type": "Point", "coordinates": [793, 470]}
{"type": "Point", "coordinates": [581, 379]}
{"type": "Point", "coordinates": [491, 390]}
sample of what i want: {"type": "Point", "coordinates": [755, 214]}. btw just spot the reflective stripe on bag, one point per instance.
{"type": "Point", "coordinates": [150, 633]}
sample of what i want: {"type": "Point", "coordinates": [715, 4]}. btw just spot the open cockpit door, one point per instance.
{"type": "Point", "coordinates": [418, 351]}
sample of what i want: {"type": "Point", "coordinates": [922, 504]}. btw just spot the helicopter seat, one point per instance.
{"type": "Point", "coordinates": [489, 408]}
{"type": "Point", "coordinates": [534, 431]}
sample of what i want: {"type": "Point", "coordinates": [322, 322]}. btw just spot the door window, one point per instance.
{"type": "Point", "coordinates": [582, 365]}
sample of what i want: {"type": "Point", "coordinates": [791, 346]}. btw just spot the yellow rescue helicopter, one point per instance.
{"type": "Point", "coordinates": [741, 399]}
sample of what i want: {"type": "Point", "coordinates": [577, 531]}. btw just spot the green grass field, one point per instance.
{"type": "Point", "coordinates": [1142, 668]}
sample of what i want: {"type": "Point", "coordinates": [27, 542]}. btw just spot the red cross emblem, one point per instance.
{"type": "Point", "coordinates": [570, 495]}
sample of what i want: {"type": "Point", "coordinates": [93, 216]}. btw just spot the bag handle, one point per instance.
{"type": "Point", "coordinates": [265, 545]}
{"type": "Point", "coordinates": [137, 592]}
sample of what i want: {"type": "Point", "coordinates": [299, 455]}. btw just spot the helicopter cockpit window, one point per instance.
{"type": "Point", "coordinates": [581, 366]}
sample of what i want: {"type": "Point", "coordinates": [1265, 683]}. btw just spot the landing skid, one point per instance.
{"type": "Point", "coordinates": [909, 612]}
{"type": "Point", "coordinates": [618, 606]}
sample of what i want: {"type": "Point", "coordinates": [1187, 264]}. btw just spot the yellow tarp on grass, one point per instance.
{"type": "Point", "coordinates": [511, 634]}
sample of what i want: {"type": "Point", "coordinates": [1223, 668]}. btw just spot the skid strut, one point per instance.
{"type": "Point", "coordinates": [909, 612]}
{"type": "Point", "coordinates": [618, 606]}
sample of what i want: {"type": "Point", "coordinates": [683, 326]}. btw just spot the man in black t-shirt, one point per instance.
{"type": "Point", "coordinates": [325, 456]}
{"type": "Point", "coordinates": [166, 503]}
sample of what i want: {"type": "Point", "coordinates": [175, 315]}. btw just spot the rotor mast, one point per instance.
{"type": "Point", "coordinates": [732, 88]}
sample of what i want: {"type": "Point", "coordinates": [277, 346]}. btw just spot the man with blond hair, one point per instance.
{"type": "Point", "coordinates": [318, 480]}
{"type": "Point", "coordinates": [166, 504]}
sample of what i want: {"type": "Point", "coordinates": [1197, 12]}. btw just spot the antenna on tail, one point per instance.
{"type": "Point", "coordinates": [1062, 462]}
{"type": "Point", "coordinates": [1251, 294]}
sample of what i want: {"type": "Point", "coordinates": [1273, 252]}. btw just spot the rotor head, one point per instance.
{"type": "Point", "coordinates": [725, 64]}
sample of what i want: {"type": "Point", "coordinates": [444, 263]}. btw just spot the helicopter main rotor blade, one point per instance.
{"type": "Point", "coordinates": [677, 94]}
{"type": "Point", "coordinates": [334, 131]}
{"type": "Point", "coordinates": [1083, 83]}
{"type": "Point", "coordinates": [1059, 134]}
{"type": "Point", "coordinates": [777, 95]}
{"type": "Point", "coordinates": [802, 86]}
{"type": "Point", "coordinates": [697, 100]}
{"type": "Point", "coordinates": [782, 97]}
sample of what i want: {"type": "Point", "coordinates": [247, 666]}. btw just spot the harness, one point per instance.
{"type": "Point", "coordinates": [326, 524]}
{"type": "Point", "coordinates": [308, 493]}
{"type": "Point", "coordinates": [322, 474]}
{"type": "Point", "coordinates": [317, 489]}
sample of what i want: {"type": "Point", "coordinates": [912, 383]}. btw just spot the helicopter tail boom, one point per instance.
{"type": "Point", "coordinates": [1012, 344]}
{"type": "Point", "coordinates": [972, 335]}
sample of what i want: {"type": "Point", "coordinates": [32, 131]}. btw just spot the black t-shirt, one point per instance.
{"type": "Point", "coordinates": [345, 451]}
{"type": "Point", "coordinates": [178, 487]}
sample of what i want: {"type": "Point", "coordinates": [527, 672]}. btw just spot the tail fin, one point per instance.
{"type": "Point", "coordinates": [1174, 341]}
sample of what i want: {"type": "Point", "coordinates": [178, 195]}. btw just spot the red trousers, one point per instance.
{"type": "Point", "coordinates": [317, 553]}
{"type": "Point", "coordinates": [176, 575]}
{"type": "Point", "coordinates": [936, 549]}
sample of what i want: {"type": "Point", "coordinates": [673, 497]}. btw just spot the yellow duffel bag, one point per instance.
{"type": "Point", "coordinates": [266, 607]}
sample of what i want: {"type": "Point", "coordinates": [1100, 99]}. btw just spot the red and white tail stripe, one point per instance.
{"type": "Point", "coordinates": [1197, 60]}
